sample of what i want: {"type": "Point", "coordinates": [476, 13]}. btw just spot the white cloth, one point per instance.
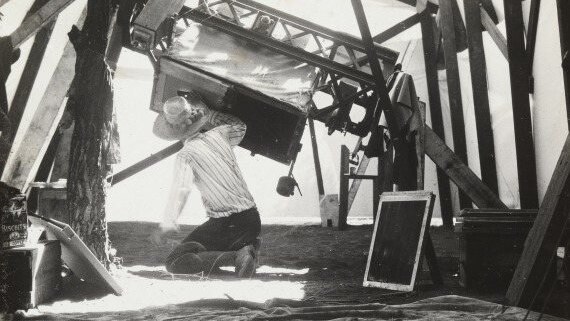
{"type": "Point", "coordinates": [208, 160]}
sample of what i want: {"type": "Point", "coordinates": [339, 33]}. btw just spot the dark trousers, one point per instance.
{"type": "Point", "coordinates": [214, 242]}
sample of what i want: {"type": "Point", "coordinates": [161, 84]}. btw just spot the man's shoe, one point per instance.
{"type": "Point", "coordinates": [245, 262]}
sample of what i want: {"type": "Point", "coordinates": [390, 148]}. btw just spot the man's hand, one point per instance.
{"type": "Point", "coordinates": [194, 115]}
{"type": "Point", "coordinates": [158, 236]}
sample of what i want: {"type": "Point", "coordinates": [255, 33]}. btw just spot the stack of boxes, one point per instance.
{"type": "Point", "coordinates": [30, 272]}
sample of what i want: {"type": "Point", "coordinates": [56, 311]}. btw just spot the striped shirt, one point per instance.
{"type": "Point", "coordinates": [208, 160]}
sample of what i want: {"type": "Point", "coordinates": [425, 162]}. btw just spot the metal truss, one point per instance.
{"type": "Point", "coordinates": [344, 67]}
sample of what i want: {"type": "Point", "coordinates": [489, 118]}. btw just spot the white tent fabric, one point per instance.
{"type": "Point", "coordinates": [142, 197]}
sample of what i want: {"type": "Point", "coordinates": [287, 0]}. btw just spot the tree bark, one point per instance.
{"type": "Point", "coordinates": [94, 144]}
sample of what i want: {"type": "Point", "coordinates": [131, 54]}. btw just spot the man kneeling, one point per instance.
{"type": "Point", "coordinates": [230, 235]}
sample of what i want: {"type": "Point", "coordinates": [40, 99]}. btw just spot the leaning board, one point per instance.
{"type": "Point", "coordinates": [397, 241]}
{"type": "Point", "coordinates": [77, 255]}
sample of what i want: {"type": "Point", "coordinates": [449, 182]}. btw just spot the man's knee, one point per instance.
{"type": "Point", "coordinates": [185, 264]}
{"type": "Point", "coordinates": [183, 249]}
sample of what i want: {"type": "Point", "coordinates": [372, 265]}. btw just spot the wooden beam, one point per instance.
{"type": "Point", "coordinates": [150, 19]}
{"type": "Point", "coordinates": [38, 20]}
{"type": "Point", "coordinates": [29, 75]}
{"type": "Point", "coordinates": [343, 191]}
{"type": "Point", "coordinates": [518, 68]}
{"type": "Point", "coordinates": [459, 173]}
{"type": "Point", "coordinates": [24, 163]}
{"type": "Point", "coordinates": [544, 237]}
{"type": "Point", "coordinates": [494, 32]}
{"type": "Point", "coordinates": [397, 28]}
{"type": "Point", "coordinates": [145, 163]}
{"type": "Point", "coordinates": [430, 62]}
{"type": "Point", "coordinates": [531, 32]}
{"type": "Point", "coordinates": [478, 67]}
{"type": "Point", "coordinates": [355, 185]}
{"type": "Point", "coordinates": [432, 5]}
{"type": "Point", "coordinates": [316, 158]}
{"type": "Point", "coordinates": [563, 8]}
{"type": "Point", "coordinates": [453, 85]}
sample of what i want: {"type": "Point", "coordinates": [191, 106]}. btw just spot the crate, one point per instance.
{"type": "Point", "coordinates": [490, 245]}
{"type": "Point", "coordinates": [274, 128]}
{"type": "Point", "coordinates": [29, 275]}
{"type": "Point", "coordinates": [52, 203]}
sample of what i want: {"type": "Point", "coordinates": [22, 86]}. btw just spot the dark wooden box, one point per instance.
{"type": "Point", "coordinates": [29, 275]}
{"type": "Point", "coordinates": [274, 128]}
{"type": "Point", "coordinates": [490, 245]}
{"type": "Point", "coordinates": [52, 203]}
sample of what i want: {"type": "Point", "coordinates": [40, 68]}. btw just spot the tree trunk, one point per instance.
{"type": "Point", "coordinates": [95, 139]}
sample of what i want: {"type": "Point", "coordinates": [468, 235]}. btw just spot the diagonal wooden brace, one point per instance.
{"type": "Point", "coordinates": [37, 21]}
{"type": "Point", "coordinates": [459, 173]}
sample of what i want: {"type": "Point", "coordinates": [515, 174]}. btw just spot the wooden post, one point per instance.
{"type": "Point", "coordinates": [343, 192]}
{"type": "Point", "coordinates": [518, 68]}
{"type": "Point", "coordinates": [544, 237]}
{"type": "Point", "coordinates": [318, 172]}
{"type": "Point", "coordinates": [453, 85]}
{"type": "Point", "coordinates": [564, 27]}
{"type": "Point", "coordinates": [480, 94]}
{"type": "Point", "coordinates": [430, 60]}
{"type": "Point", "coordinates": [531, 36]}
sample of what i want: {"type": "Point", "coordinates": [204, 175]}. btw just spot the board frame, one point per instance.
{"type": "Point", "coordinates": [427, 196]}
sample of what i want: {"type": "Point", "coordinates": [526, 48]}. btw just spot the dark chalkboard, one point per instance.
{"type": "Point", "coordinates": [397, 240]}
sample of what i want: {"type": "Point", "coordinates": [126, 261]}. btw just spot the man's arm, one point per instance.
{"type": "Point", "coordinates": [230, 126]}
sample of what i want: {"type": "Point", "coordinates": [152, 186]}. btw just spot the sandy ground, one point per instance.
{"type": "Point", "coordinates": [300, 266]}
{"type": "Point", "coordinates": [331, 263]}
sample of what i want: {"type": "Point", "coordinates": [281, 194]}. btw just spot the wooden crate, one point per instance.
{"type": "Point", "coordinates": [29, 275]}
{"type": "Point", "coordinates": [490, 245]}
{"type": "Point", "coordinates": [52, 203]}
{"type": "Point", "coordinates": [274, 128]}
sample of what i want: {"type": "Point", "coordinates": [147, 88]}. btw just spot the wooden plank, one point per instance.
{"type": "Point", "coordinates": [145, 163]}
{"type": "Point", "coordinates": [478, 67]}
{"type": "Point", "coordinates": [24, 163]}
{"type": "Point", "coordinates": [494, 32]}
{"type": "Point", "coordinates": [29, 75]}
{"type": "Point", "coordinates": [430, 62]}
{"type": "Point", "coordinates": [343, 192]}
{"type": "Point", "coordinates": [324, 210]}
{"type": "Point", "coordinates": [531, 32]}
{"type": "Point", "coordinates": [316, 158]}
{"type": "Point", "coordinates": [544, 236]}
{"type": "Point", "coordinates": [453, 85]}
{"type": "Point", "coordinates": [355, 185]}
{"type": "Point", "coordinates": [420, 147]}
{"type": "Point", "coordinates": [38, 20]}
{"type": "Point", "coordinates": [563, 8]}
{"type": "Point", "coordinates": [148, 22]}
{"type": "Point", "coordinates": [397, 28]}
{"type": "Point", "coordinates": [524, 141]}
{"type": "Point", "coordinates": [459, 173]}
